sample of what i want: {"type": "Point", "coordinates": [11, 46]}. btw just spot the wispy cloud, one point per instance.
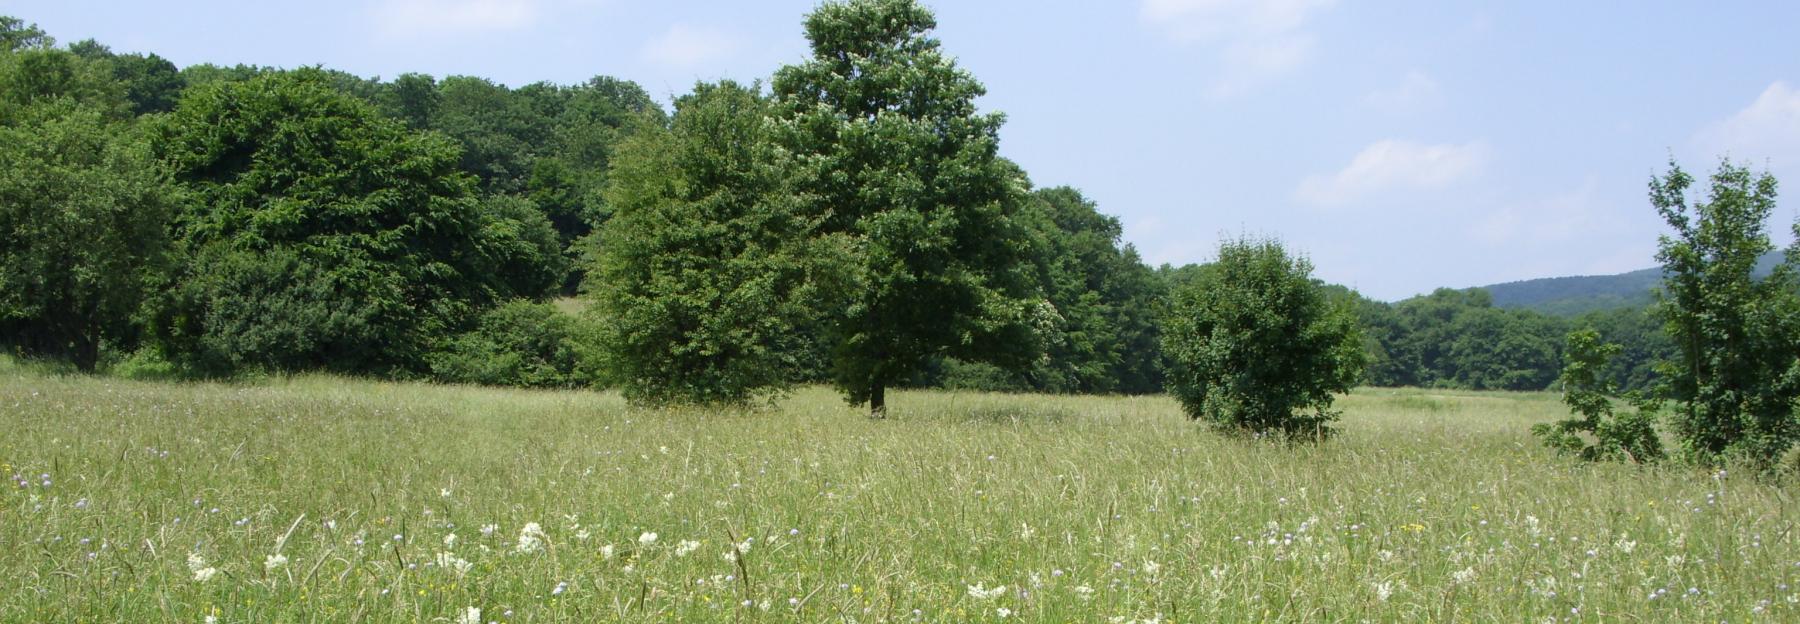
{"type": "Point", "coordinates": [451, 19]}
{"type": "Point", "coordinates": [1395, 165]}
{"type": "Point", "coordinates": [1415, 92]}
{"type": "Point", "coordinates": [1765, 132]}
{"type": "Point", "coordinates": [687, 47]}
{"type": "Point", "coordinates": [1255, 41]}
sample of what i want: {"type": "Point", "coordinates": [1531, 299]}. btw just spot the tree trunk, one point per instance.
{"type": "Point", "coordinates": [878, 401]}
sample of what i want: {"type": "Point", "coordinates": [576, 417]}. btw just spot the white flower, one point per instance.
{"type": "Point", "coordinates": [444, 492]}
{"type": "Point", "coordinates": [450, 541]}
{"type": "Point", "coordinates": [1003, 612]}
{"type": "Point", "coordinates": [606, 552]}
{"type": "Point", "coordinates": [560, 588]}
{"type": "Point", "coordinates": [1383, 590]}
{"type": "Point", "coordinates": [1084, 591]}
{"type": "Point", "coordinates": [583, 535]}
{"type": "Point", "coordinates": [647, 538]}
{"type": "Point", "coordinates": [197, 565]}
{"type": "Point", "coordinates": [488, 529]}
{"type": "Point", "coordinates": [471, 615]}
{"type": "Point", "coordinates": [978, 592]}
{"type": "Point", "coordinates": [211, 619]}
{"type": "Point", "coordinates": [274, 561]}
{"type": "Point", "coordinates": [531, 538]}
{"type": "Point", "coordinates": [1151, 567]}
{"type": "Point", "coordinates": [453, 563]}
{"type": "Point", "coordinates": [685, 547]}
{"type": "Point", "coordinates": [1625, 545]}
{"type": "Point", "coordinates": [1463, 576]}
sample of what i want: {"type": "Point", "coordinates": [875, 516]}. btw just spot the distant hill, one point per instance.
{"type": "Point", "coordinates": [1572, 296]}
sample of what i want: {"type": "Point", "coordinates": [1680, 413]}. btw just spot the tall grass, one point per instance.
{"type": "Point", "coordinates": [1433, 505]}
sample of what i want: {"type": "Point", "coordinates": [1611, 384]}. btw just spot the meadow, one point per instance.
{"type": "Point", "coordinates": [322, 499]}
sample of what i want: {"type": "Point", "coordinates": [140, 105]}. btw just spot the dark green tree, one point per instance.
{"type": "Point", "coordinates": [698, 285]}
{"type": "Point", "coordinates": [1256, 346]}
{"type": "Point", "coordinates": [895, 157]}
{"type": "Point", "coordinates": [1105, 336]}
{"type": "Point", "coordinates": [84, 213]}
{"type": "Point", "coordinates": [1736, 337]}
{"type": "Point", "coordinates": [322, 235]}
{"type": "Point", "coordinates": [1595, 433]}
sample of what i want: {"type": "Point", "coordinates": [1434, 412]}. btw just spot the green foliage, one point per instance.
{"type": "Point", "coordinates": [1735, 377]}
{"type": "Point", "coordinates": [700, 271]}
{"type": "Point", "coordinates": [1457, 339]}
{"type": "Point", "coordinates": [895, 158]}
{"type": "Point", "coordinates": [83, 229]}
{"type": "Point", "coordinates": [519, 343]}
{"type": "Point", "coordinates": [1588, 391]}
{"type": "Point", "coordinates": [17, 35]}
{"type": "Point", "coordinates": [321, 235]}
{"type": "Point", "coordinates": [1257, 347]}
{"type": "Point", "coordinates": [1105, 336]}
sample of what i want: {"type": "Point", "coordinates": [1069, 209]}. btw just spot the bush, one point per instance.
{"type": "Point", "coordinates": [1587, 390]}
{"type": "Point", "coordinates": [520, 343]}
{"type": "Point", "coordinates": [1257, 347]}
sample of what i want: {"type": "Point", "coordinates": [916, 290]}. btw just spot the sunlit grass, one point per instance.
{"type": "Point", "coordinates": [1433, 505]}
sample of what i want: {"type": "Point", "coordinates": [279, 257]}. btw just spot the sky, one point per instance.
{"type": "Point", "coordinates": [1400, 145]}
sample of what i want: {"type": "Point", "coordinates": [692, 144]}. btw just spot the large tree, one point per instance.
{"type": "Point", "coordinates": [83, 209]}
{"type": "Point", "coordinates": [895, 156]}
{"type": "Point", "coordinates": [1736, 376]}
{"type": "Point", "coordinates": [700, 272]}
{"type": "Point", "coordinates": [322, 235]}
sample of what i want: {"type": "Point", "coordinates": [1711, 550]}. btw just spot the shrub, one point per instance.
{"type": "Point", "coordinates": [1257, 347]}
{"type": "Point", "coordinates": [1587, 390]}
{"type": "Point", "coordinates": [520, 343]}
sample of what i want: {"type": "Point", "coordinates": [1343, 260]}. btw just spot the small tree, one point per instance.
{"type": "Point", "coordinates": [1257, 347]}
{"type": "Point", "coordinates": [1588, 390]}
{"type": "Point", "coordinates": [1736, 336]}
{"type": "Point", "coordinates": [697, 282]}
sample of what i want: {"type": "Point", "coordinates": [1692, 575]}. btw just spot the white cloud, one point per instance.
{"type": "Point", "coordinates": [427, 18]}
{"type": "Point", "coordinates": [1767, 132]}
{"type": "Point", "coordinates": [1256, 41]}
{"type": "Point", "coordinates": [1415, 92]}
{"type": "Point", "coordinates": [1395, 165]}
{"type": "Point", "coordinates": [688, 47]}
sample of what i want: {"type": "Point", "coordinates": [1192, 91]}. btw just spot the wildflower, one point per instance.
{"type": "Point", "coordinates": [450, 541]}
{"type": "Point", "coordinates": [1624, 544]}
{"type": "Point", "coordinates": [471, 615]}
{"type": "Point", "coordinates": [444, 492]}
{"type": "Point", "coordinates": [685, 547]}
{"type": "Point", "coordinates": [487, 530]}
{"type": "Point", "coordinates": [559, 589]}
{"type": "Point", "coordinates": [274, 562]}
{"type": "Point", "coordinates": [1003, 612]}
{"type": "Point", "coordinates": [531, 538]}
{"type": "Point", "coordinates": [1084, 591]}
{"type": "Point", "coordinates": [978, 592]}
{"type": "Point", "coordinates": [1151, 567]}
{"type": "Point", "coordinates": [647, 538]}
{"type": "Point", "coordinates": [1383, 590]}
{"type": "Point", "coordinates": [1463, 576]}
{"type": "Point", "coordinates": [197, 565]}
{"type": "Point", "coordinates": [606, 552]}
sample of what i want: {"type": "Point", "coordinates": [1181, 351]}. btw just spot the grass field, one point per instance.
{"type": "Point", "coordinates": [320, 499]}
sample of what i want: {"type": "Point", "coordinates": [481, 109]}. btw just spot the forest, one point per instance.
{"type": "Point", "coordinates": [222, 221]}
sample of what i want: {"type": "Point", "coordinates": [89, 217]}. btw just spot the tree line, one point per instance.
{"type": "Point", "coordinates": [850, 221]}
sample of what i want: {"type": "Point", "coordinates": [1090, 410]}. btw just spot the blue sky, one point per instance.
{"type": "Point", "coordinates": [1403, 145]}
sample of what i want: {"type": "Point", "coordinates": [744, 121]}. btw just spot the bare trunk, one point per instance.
{"type": "Point", "coordinates": [878, 401]}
